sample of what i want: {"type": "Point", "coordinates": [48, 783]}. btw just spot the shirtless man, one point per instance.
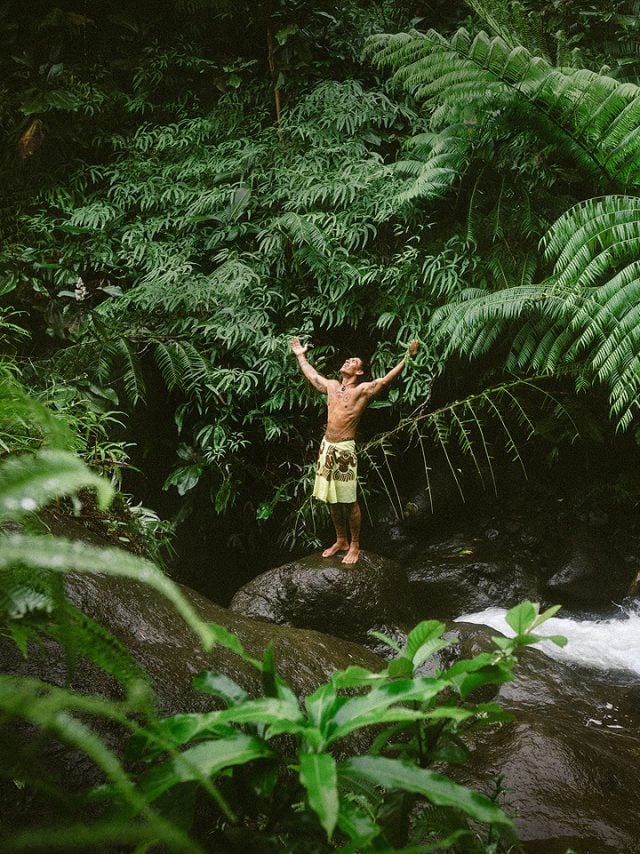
{"type": "Point", "coordinates": [336, 472]}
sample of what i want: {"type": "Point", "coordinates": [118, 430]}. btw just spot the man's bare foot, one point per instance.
{"type": "Point", "coordinates": [338, 546]}
{"type": "Point", "coordinates": [352, 555]}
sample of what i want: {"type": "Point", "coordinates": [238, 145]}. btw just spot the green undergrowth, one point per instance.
{"type": "Point", "coordinates": [276, 771]}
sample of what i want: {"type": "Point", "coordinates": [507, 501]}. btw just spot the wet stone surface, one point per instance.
{"type": "Point", "coordinates": [570, 758]}
{"type": "Point", "coordinates": [346, 601]}
{"type": "Point", "coordinates": [499, 561]}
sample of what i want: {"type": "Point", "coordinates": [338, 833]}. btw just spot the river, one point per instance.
{"type": "Point", "coordinates": [611, 644]}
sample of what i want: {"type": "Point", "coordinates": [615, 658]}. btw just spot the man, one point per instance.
{"type": "Point", "coordinates": [336, 472]}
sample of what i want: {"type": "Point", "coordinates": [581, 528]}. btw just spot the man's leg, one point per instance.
{"type": "Point", "coordinates": [354, 517]}
{"type": "Point", "coordinates": [339, 518]}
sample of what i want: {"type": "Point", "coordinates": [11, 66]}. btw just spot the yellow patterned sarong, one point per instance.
{"type": "Point", "coordinates": [336, 472]}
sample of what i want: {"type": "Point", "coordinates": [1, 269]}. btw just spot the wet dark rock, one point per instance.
{"type": "Point", "coordinates": [169, 652]}
{"type": "Point", "coordinates": [569, 759]}
{"type": "Point", "coordinates": [315, 592]}
{"type": "Point", "coordinates": [591, 572]}
{"type": "Point", "coordinates": [534, 550]}
{"type": "Point", "coordinates": [152, 630]}
{"type": "Point", "coordinates": [465, 574]}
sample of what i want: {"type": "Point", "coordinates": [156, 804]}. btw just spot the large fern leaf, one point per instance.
{"type": "Point", "coordinates": [593, 117]}
{"type": "Point", "coordinates": [437, 162]}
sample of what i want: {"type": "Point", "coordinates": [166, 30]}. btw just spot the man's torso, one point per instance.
{"type": "Point", "coordinates": [345, 405]}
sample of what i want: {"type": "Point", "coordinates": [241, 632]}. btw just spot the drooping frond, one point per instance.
{"type": "Point", "coordinates": [593, 117]}
{"type": "Point", "coordinates": [471, 323]}
{"type": "Point", "coordinates": [593, 237]}
{"type": "Point", "coordinates": [586, 316]}
{"type": "Point", "coordinates": [509, 410]}
{"type": "Point", "coordinates": [596, 246]}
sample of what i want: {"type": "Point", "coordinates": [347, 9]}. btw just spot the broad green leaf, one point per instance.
{"type": "Point", "coordinates": [521, 617]}
{"type": "Point", "coordinates": [267, 710]}
{"type": "Point", "coordinates": [356, 677]}
{"type": "Point", "coordinates": [311, 734]}
{"type": "Point", "coordinates": [425, 631]}
{"type": "Point", "coordinates": [454, 713]}
{"type": "Point", "coordinates": [465, 683]}
{"type": "Point", "coordinates": [375, 718]}
{"type": "Point", "coordinates": [177, 730]}
{"type": "Point", "coordinates": [372, 707]}
{"type": "Point", "coordinates": [319, 777]}
{"type": "Point", "coordinates": [401, 667]}
{"type": "Point", "coordinates": [546, 615]}
{"type": "Point", "coordinates": [438, 789]}
{"type": "Point", "coordinates": [429, 648]}
{"type": "Point", "coordinates": [468, 665]}
{"type": "Point", "coordinates": [59, 555]}
{"type": "Point", "coordinates": [358, 825]}
{"type": "Point", "coordinates": [30, 482]}
{"type": "Point", "coordinates": [323, 703]}
{"type": "Point", "coordinates": [220, 686]}
{"type": "Point", "coordinates": [558, 640]}
{"type": "Point", "coordinates": [202, 761]}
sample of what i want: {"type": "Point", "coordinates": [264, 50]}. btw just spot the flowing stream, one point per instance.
{"type": "Point", "coordinates": [604, 644]}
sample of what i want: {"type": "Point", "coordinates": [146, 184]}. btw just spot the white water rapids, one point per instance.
{"type": "Point", "coordinates": [611, 644]}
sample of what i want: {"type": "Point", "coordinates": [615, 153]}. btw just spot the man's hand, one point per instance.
{"type": "Point", "coordinates": [297, 348]}
{"type": "Point", "coordinates": [413, 347]}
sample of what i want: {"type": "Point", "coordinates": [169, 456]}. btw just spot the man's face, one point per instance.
{"type": "Point", "coordinates": [352, 366]}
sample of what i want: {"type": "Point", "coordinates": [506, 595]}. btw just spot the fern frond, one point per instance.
{"type": "Point", "coordinates": [593, 115]}
{"type": "Point", "coordinates": [132, 378]}
{"type": "Point", "coordinates": [28, 483]}
{"type": "Point", "coordinates": [61, 713]}
{"type": "Point", "coordinates": [510, 407]}
{"type": "Point", "coordinates": [513, 22]}
{"type": "Point", "coordinates": [442, 159]}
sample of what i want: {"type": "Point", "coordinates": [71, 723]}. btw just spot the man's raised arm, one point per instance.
{"type": "Point", "coordinates": [375, 387]}
{"type": "Point", "coordinates": [299, 351]}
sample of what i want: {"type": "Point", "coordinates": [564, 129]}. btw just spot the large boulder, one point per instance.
{"type": "Point", "coordinates": [159, 639]}
{"type": "Point", "coordinates": [324, 594]}
{"type": "Point", "coordinates": [461, 574]}
{"type": "Point", "coordinates": [589, 571]}
{"type": "Point", "coordinates": [170, 653]}
{"type": "Point", "coordinates": [501, 559]}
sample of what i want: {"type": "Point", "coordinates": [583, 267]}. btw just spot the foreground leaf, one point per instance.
{"type": "Point", "coordinates": [522, 617]}
{"type": "Point", "coordinates": [202, 761]}
{"type": "Point", "coordinates": [319, 777]}
{"type": "Point", "coordinates": [380, 705]}
{"type": "Point", "coordinates": [30, 482]}
{"type": "Point", "coordinates": [60, 555]}
{"type": "Point", "coordinates": [436, 788]}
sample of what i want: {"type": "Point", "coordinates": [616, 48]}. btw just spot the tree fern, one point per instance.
{"type": "Point", "coordinates": [584, 317]}
{"type": "Point", "coordinates": [593, 116]}
{"type": "Point", "coordinates": [515, 23]}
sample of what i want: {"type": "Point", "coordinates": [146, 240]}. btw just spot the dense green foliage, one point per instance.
{"type": "Point", "coordinates": [175, 212]}
{"type": "Point", "coordinates": [185, 184]}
